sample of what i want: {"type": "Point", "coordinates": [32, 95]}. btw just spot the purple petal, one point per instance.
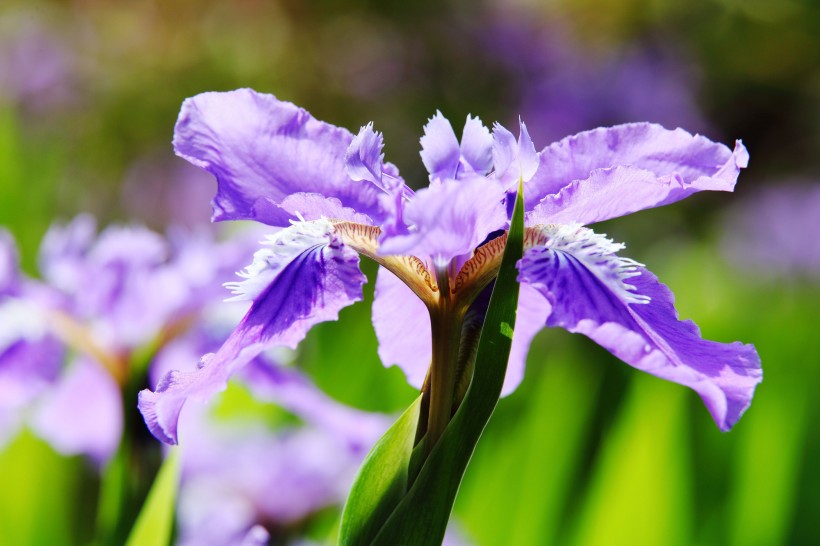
{"type": "Point", "coordinates": [449, 219]}
{"type": "Point", "coordinates": [503, 149]}
{"type": "Point", "coordinates": [364, 157]}
{"type": "Point", "coordinates": [586, 284]}
{"type": "Point", "coordinates": [304, 276]}
{"type": "Point", "coordinates": [63, 252]}
{"type": "Point", "coordinates": [610, 172]}
{"type": "Point", "coordinates": [83, 414]}
{"type": "Point", "coordinates": [312, 206]}
{"type": "Point", "coordinates": [238, 474]}
{"type": "Point", "coordinates": [773, 231]}
{"type": "Point", "coordinates": [440, 152]}
{"type": "Point", "coordinates": [259, 147]}
{"type": "Point", "coordinates": [402, 325]}
{"type": "Point", "coordinates": [292, 390]}
{"type": "Point", "coordinates": [527, 156]}
{"type": "Point", "coordinates": [134, 290]}
{"type": "Point", "coordinates": [477, 146]}
{"type": "Point", "coordinates": [9, 264]}
{"type": "Point", "coordinates": [257, 536]}
{"type": "Point", "coordinates": [513, 160]}
{"type": "Point", "coordinates": [30, 360]}
{"type": "Point", "coordinates": [531, 315]}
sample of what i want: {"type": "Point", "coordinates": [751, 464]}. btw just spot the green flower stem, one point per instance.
{"type": "Point", "coordinates": [445, 321]}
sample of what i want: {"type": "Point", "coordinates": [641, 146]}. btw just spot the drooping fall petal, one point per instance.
{"type": "Point", "coordinates": [625, 309]}
{"type": "Point", "coordinates": [304, 275]}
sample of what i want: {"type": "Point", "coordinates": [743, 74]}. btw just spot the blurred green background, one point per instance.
{"type": "Point", "coordinates": [587, 451]}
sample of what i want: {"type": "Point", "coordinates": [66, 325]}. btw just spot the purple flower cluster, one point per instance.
{"type": "Point", "coordinates": [331, 197]}
{"type": "Point", "coordinates": [73, 343]}
{"type": "Point", "coordinates": [563, 84]}
{"type": "Point", "coordinates": [69, 343]}
{"type": "Point", "coordinates": [37, 65]}
{"type": "Point", "coordinates": [30, 357]}
{"type": "Point", "coordinates": [773, 231]}
{"type": "Point", "coordinates": [242, 479]}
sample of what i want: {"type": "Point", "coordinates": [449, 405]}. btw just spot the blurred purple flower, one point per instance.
{"type": "Point", "coordinates": [166, 191]}
{"type": "Point", "coordinates": [37, 68]}
{"type": "Point", "coordinates": [276, 164]}
{"type": "Point", "coordinates": [564, 86]}
{"type": "Point", "coordinates": [30, 358]}
{"type": "Point", "coordinates": [242, 479]}
{"type": "Point", "coordinates": [773, 231]}
{"type": "Point", "coordinates": [104, 297]}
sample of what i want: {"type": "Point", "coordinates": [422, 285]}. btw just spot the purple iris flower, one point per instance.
{"type": "Point", "coordinates": [30, 357]}
{"type": "Point", "coordinates": [332, 198]}
{"type": "Point", "coordinates": [773, 231]}
{"type": "Point", "coordinates": [243, 479]}
{"type": "Point", "coordinates": [69, 344]}
{"type": "Point", "coordinates": [245, 482]}
{"type": "Point", "coordinates": [37, 67]}
{"type": "Point", "coordinates": [563, 85]}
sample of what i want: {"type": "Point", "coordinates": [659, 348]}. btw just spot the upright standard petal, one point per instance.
{"type": "Point", "coordinates": [477, 146]}
{"type": "Point", "coordinates": [402, 325]}
{"type": "Point", "coordinates": [304, 276]}
{"type": "Point", "coordinates": [449, 219]}
{"type": "Point", "coordinates": [440, 152]}
{"type": "Point", "coordinates": [261, 150]}
{"type": "Point", "coordinates": [513, 160]}
{"type": "Point", "coordinates": [624, 308]}
{"type": "Point", "coordinates": [610, 172]}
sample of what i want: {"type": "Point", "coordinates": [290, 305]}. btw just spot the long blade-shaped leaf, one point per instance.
{"type": "Point", "coordinates": [381, 482]}
{"type": "Point", "coordinates": [421, 517]}
{"type": "Point", "coordinates": [156, 519]}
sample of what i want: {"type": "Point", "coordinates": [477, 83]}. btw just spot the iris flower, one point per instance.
{"type": "Point", "coordinates": [239, 474]}
{"type": "Point", "coordinates": [75, 341]}
{"type": "Point", "coordinates": [330, 197]}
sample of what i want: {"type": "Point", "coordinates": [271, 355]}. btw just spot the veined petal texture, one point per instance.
{"type": "Point", "coordinates": [624, 308]}
{"type": "Point", "coordinates": [614, 171]}
{"type": "Point", "coordinates": [304, 276]}
{"type": "Point", "coordinates": [261, 150]}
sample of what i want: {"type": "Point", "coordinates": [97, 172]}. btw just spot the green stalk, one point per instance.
{"type": "Point", "coordinates": [445, 321]}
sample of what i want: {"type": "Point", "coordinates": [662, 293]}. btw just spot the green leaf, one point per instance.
{"type": "Point", "coordinates": [381, 482]}
{"type": "Point", "coordinates": [422, 515]}
{"type": "Point", "coordinates": [41, 486]}
{"type": "Point", "coordinates": [155, 522]}
{"type": "Point", "coordinates": [644, 463]}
